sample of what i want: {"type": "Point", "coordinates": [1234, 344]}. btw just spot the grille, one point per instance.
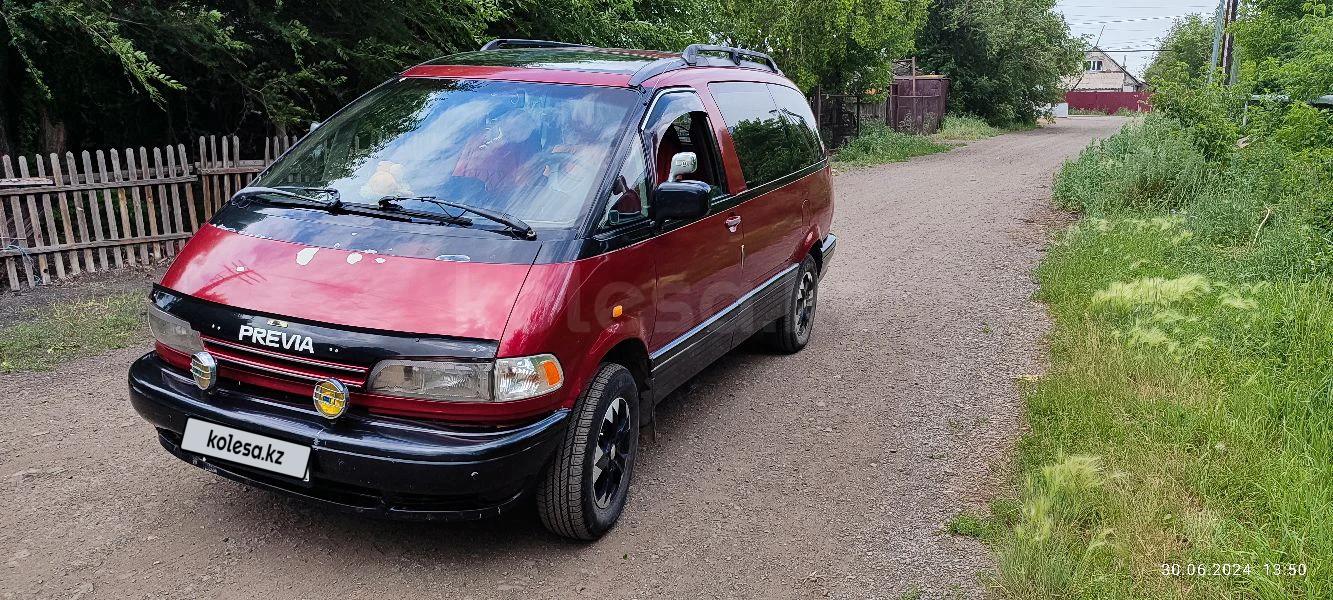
{"type": "Point", "coordinates": [270, 364]}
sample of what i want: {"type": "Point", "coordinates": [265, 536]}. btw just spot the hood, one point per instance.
{"type": "Point", "coordinates": [348, 288]}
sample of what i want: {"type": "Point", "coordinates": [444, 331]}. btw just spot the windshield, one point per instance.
{"type": "Point", "coordinates": [532, 150]}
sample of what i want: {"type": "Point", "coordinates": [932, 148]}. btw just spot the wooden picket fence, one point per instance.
{"type": "Point", "coordinates": [102, 210]}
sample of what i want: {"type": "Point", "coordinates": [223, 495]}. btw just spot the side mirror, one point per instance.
{"type": "Point", "coordinates": [683, 163]}
{"type": "Point", "coordinates": [681, 200]}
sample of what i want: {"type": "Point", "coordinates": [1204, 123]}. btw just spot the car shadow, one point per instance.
{"type": "Point", "coordinates": [516, 530]}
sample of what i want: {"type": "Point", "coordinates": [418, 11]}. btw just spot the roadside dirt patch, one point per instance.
{"type": "Point", "coordinates": [15, 306]}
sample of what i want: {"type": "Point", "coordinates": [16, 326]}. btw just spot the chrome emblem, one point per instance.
{"type": "Point", "coordinates": [274, 338]}
{"type": "Point", "coordinates": [330, 398]}
{"type": "Point", "coordinates": [204, 369]}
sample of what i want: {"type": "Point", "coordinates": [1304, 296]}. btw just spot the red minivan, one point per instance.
{"type": "Point", "coordinates": [476, 281]}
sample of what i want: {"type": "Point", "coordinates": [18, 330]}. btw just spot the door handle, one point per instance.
{"type": "Point", "coordinates": [732, 223]}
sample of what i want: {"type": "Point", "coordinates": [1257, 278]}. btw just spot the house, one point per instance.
{"type": "Point", "coordinates": [1101, 73]}
{"type": "Point", "coordinates": [1105, 86]}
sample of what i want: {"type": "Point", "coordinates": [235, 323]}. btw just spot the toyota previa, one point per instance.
{"type": "Point", "coordinates": [474, 283]}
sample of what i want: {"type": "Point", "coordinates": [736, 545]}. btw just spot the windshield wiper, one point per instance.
{"type": "Point", "coordinates": [502, 218]}
{"type": "Point", "coordinates": [331, 192]}
{"type": "Point", "coordinates": [288, 198]}
{"type": "Point", "coordinates": [387, 205]}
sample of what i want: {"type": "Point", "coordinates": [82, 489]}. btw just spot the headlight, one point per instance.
{"type": "Point", "coordinates": [432, 380]}
{"type": "Point", "coordinates": [173, 332]}
{"type": "Point", "coordinates": [504, 380]}
{"type": "Point", "coordinates": [519, 378]}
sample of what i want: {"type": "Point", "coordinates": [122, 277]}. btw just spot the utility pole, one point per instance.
{"type": "Point", "coordinates": [1223, 42]}
{"type": "Point", "coordinates": [1229, 43]}
{"type": "Point", "coordinates": [1218, 28]}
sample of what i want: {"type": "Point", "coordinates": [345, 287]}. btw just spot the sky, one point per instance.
{"type": "Point", "coordinates": [1128, 24]}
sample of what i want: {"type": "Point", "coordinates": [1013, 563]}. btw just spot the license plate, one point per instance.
{"type": "Point", "coordinates": [243, 447]}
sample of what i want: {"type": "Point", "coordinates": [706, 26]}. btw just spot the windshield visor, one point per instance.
{"type": "Point", "coordinates": [533, 150]}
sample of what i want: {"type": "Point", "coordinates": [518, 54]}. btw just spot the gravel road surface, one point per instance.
{"type": "Point", "coordinates": [825, 474]}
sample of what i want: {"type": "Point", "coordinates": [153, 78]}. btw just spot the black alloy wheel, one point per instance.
{"type": "Point", "coordinates": [792, 332]}
{"type": "Point", "coordinates": [586, 486]}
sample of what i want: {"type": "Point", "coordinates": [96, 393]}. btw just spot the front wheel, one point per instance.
{"type": "Point", "coordinates": [586, 485]}
{"type": "Point", "coordinates": [792, 332]}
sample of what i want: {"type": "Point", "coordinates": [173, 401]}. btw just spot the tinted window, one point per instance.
{"type": "Point", "coordinates": [801, 131]}
{"type": "Point", "coordinates": [757, 131]}
{"type": "Point", "coordinates": [529, 149]}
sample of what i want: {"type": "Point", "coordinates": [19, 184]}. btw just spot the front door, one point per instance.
{"type": "Point", "coordinates": [698, 263]}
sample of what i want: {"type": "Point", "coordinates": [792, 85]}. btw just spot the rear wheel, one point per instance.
{"type": "Point", "coordinates": [585, 488]}
{"type": "Point", "coordinates": [792, 332]}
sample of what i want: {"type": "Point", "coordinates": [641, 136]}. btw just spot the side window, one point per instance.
{"type": "Point", "coordinates": [629, 191]}
{"type": "Point", "coordinates": [757, 130]}
{"type": "Point", "coordinates": [801, 132]}
{"type": "Point", "coordinates": [679, 123]}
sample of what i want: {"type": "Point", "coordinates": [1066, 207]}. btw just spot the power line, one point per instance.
{"type": "Point", "coordinates": [1134, 20]}
{"type": "Point", "coordinates": [1063, 5]}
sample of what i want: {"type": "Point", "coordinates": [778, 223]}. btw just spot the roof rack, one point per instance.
{"type": "Point", "coordinates": [502, 43]}
{"type": "Point", "coordinates": [692, 57]}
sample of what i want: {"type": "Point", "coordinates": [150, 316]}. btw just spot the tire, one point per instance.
{"type": "Point", "coordinates": [576, 497]}
{"type": "Point", "coordinates": [790, 333]}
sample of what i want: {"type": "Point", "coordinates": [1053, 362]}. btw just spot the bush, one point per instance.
{"type": "Point", "coordinates": [1148, 165]}
{"type": "Point", "coordinates": [1209, 113]}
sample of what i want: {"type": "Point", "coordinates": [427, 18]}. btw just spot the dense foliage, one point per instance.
{"type": "Point", "coordinates": [99, 72]}
{"type": "Point", "coordinates": [1006, 58]}
{"type": "Point", "coordinates": [1180, 445]}
{"type": "Point", "coordinates": [1187, 47]}
{"type": "Point", "coordinates": [840, 45]}
{"type": "Point", "coordinates": [93, 72]}
{"type": "Point", "coordinates": [85, 73]}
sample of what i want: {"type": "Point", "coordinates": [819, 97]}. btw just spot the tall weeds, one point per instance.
{"type": "Point", "coordinates": [1181, 445]}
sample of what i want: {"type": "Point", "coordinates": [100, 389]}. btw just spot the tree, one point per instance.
{"type": "Point", "coordinates": [1188, 45]}
{"type": "Point", "coordinates": [97, 72]}
{"type": "Point", "coordinates": [841, 45]}
{"type": "Point", "coordinates": [1005, 58]}
{"type": "Point", "coordinates": [1286, 46]}
{"type": "Point", "coordinates": [655, 25]}
{"type": "Point", "coordinates": [54, 54]}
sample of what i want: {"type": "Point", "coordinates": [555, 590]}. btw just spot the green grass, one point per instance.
{"type": "Point", "coordinates": [61, 332]}
{"type": "Point", "coordinates": [1120, 112]}
{"type": "Point", "coordinates": [878, 144]}
{"type": "Point", "coordinates": [965, 128]}
{"type": "Point", "coordinates": [986, 528]}
{"type": "Point", "coordinates": [1187, 418]}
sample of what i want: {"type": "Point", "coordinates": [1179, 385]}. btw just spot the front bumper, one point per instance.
{"type": "Point", "coordinates": [363, 463]}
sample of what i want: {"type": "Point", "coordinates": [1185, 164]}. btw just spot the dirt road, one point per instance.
{"type": "Point", "coordinates": [828, 473]}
